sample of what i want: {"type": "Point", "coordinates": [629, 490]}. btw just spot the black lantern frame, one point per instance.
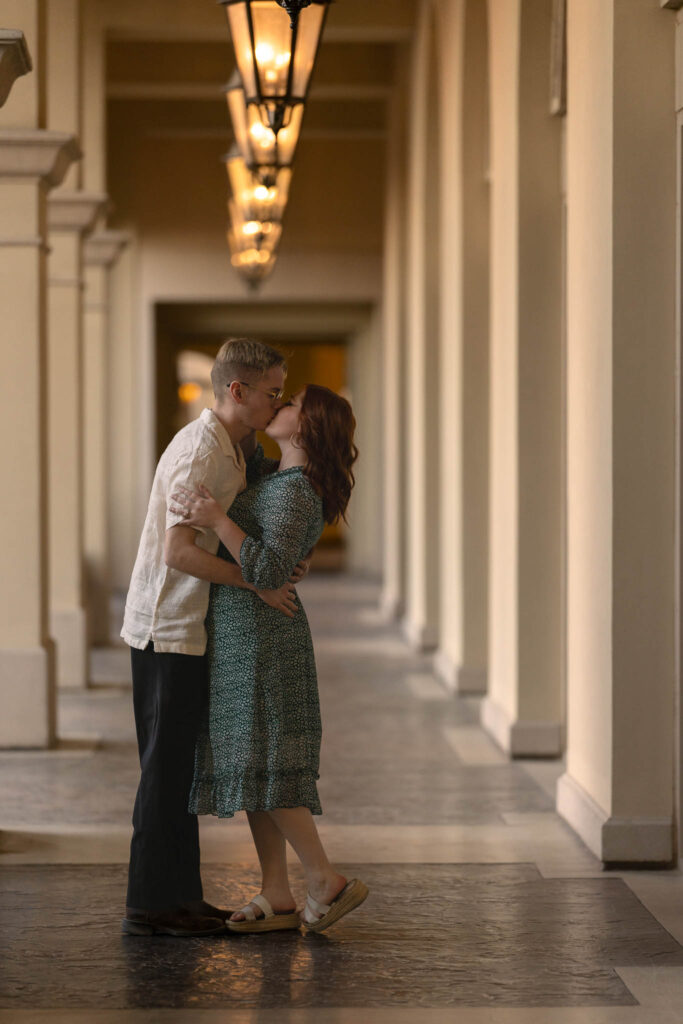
{"type": "Point", "coordinates": [275, 101]}
{"type": "Point", "coordinates": [265, 153]}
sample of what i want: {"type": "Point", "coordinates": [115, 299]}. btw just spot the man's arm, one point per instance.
{"type": "Point", "coordinates": [181, 553]}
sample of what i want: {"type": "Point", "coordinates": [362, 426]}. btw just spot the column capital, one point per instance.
{"type": "Point", "coordinates": [15, 60]}
{"type": "Point", "coordinates": [37, 153]}
{"type": "Point", "coordinates": [104, 247]}
{"type": "Point", "coordinates": [75, 211]}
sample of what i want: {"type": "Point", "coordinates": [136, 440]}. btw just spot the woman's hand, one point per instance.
{"type": "Point", "coordinates": [198, 508]}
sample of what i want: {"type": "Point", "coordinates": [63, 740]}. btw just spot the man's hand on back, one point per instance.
{"type": "Point", "coordinates": [301, 568]}
{"type": "Point", "coordinates": [283, 600]}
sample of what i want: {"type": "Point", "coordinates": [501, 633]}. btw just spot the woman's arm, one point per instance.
{"type": "Point", "coordinates": [270, 561]}
{"type": "Point", "coordinates": [182, 553]}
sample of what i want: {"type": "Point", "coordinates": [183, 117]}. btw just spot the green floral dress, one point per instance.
{"type": "Point", "coordinates": [259, 746]}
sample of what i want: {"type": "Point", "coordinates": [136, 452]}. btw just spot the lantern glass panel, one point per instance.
{"type": "Point", "coordinates": [272, 49]}
{"type": "Point", "coordinates": [310, 27]}
{"type": "Point", "coordinates": [238, 115]}
{"type": "Point", "coordinates": [238, 22]}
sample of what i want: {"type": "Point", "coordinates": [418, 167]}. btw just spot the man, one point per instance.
{"type": "Point", "coordinates": [164, 626]}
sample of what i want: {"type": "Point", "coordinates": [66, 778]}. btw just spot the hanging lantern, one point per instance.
{"type": "Point", "coordinates": [276, 43]}
{"type": "Point", "coordinates": [256, 200]}
{"type": "Point", "coordinates": [251, 233]}
{"type": "Point", "coordinates": [263, 151]}
{"type": "Point", "coordinates": [252, 261]}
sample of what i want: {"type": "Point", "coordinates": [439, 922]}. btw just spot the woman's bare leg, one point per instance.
{"type": "Point", "coordinates": [298, 828]}
{"type": "Point", "coordinates": [270, 847]}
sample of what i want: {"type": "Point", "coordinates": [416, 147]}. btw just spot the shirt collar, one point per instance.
{"type": "Point", "coordinates": [232, 451]}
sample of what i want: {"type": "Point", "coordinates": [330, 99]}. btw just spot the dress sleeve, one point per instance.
{"type": "Point", "coordinates": [287, 531]}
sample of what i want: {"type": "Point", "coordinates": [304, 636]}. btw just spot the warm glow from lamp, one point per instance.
{"type": "Point", "coordinates": [189, 392]}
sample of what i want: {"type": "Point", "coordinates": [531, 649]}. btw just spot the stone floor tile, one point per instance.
{"type": "Point", "coordinates": [429, 936]}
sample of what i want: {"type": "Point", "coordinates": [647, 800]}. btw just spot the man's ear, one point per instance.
{"type": "Point", "coordinates": [236, 392]}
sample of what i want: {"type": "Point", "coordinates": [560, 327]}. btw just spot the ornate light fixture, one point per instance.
{"type": "Point", "coordinates": [276, 43]}
{"type": "Point", "coordinates": [256, 200]}
{"type": "Point", "coordinates": [264, 152]}
{"type": "Point", "coordinates": [254, 261]}
{"type": "Point", "coordinates": [255, 234]}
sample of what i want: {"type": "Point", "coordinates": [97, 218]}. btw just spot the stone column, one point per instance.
{"type": "Point", "coordinates": [622, 372]}
{"type": "Point", "coordinates": [421, 618]}
{"type": "Point", "coordinates": [523, 711]}
{"type": "Point", "coordinates": [393, 367]}
{"type": "Point", "coordinates": [101, 250]}
{"type": "Point", "coordinates": [15, 60]}
{"type": "Point", "coordinates": [32, 161]}
{"type": "Point", "coordinates": [70, 215]}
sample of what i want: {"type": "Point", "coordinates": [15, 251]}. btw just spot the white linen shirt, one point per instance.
{"type": "Point", "coordinates": [165, 605]}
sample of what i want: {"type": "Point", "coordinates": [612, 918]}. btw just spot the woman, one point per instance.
{"type": "Point", "coordinates": [260, 748]}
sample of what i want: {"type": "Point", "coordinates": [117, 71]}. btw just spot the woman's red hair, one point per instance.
{"type": "Point", "coordinates": [326, 427]}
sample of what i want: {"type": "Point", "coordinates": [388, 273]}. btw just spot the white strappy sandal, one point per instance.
{"type": "Point", "coordinates": [271, 921]}
{"type": "Point", "coordinates": [318, 916]}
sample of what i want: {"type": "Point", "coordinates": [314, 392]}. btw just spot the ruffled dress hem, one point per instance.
{"type": "Point", "coordinates": [225, 795]}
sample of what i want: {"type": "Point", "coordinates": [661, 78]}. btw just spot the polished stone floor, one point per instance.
{"type": "Point", "coordinates": [484, 906]}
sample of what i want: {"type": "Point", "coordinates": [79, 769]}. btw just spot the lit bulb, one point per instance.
{"type": "Point", "coordinates": [265, 54]}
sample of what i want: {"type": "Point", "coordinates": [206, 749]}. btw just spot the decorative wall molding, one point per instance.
{"type": "Point", "coordinates": [75, 211]}
{"type": "Point", "coordinates": [104, 247]}
{"type": "Point", "coordinates": [37, 153]}
{"type": "Point", "coordinates": [15, 60]}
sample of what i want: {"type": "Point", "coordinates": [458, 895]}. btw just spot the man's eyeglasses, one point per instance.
{"type": "Point", "coordinates": [273, 394]}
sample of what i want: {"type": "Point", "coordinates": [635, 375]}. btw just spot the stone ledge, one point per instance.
{"type": "Point", "coordinates": [104, 247]}
{"type": "Point", "coordinates": [15, 60]}
{"type": "Point", "coordinates": [75, 211]}
{"type": "Point", "coordinates": [47, 155]}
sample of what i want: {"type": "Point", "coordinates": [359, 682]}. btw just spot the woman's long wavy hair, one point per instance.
{"type": "Point", "coordinates": [326, 426]}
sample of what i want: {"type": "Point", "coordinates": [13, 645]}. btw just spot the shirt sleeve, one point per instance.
{"type": "Point", "coordinates": [267, 563]}
{"type": "Point", "coordinates": [190, 470]}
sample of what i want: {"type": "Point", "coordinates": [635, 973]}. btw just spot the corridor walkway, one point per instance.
{"type": "Point", "coordinates": [484, 907]}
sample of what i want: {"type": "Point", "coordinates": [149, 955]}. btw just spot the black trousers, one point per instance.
{"type": "Point", "coordinates": [170, 692]}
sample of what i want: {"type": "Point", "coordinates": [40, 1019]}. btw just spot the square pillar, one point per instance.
{"type": "Point", "coordinates": [31, 162]}
{"type": "Point", "coordinates": [622, 371]}
{"type": "Point", "coordinates": [70, 216]}
{"type": "Point", "coordinates": [524, 708]}
{"type": "Point", "coordinates": [101, 250]}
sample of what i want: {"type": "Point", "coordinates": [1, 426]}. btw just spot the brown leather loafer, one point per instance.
{"type": "Point", "coordinates": [207, 910]}
{"type": "Point", "coordinates": [179, 923]}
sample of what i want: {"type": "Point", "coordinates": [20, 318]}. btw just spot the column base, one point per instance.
{"type": "Point", "coordinates": [459, 678]}
{"type": "Point", "coordinates": [27, 692]}
{"type": "Point", "coordinates": [643, 842]}
{"type": "Point", "coordinates": [68, 627]}
{"type": "Point", "coordinates": [418, 637]}
{"type": "Point", "coordinates": [521, 738]}
{"type": "Point", "coordinates": [390, 606]}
